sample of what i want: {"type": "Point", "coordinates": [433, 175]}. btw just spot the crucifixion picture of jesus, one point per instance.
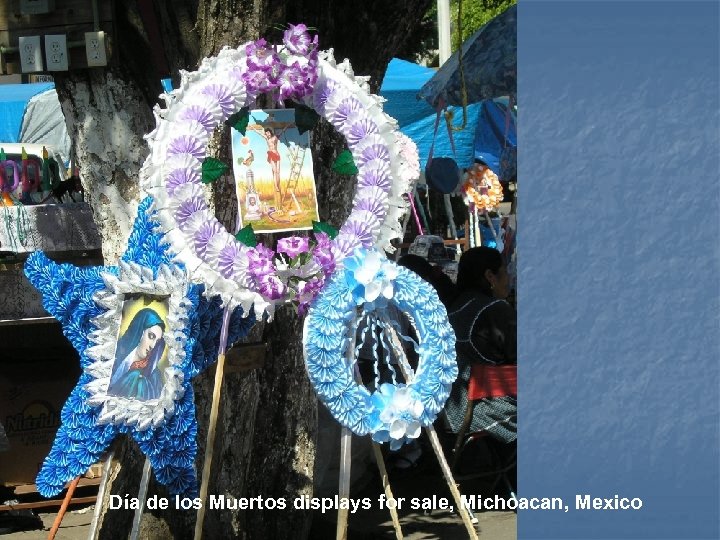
{"type": "Point", "coordinates": [274, 181]}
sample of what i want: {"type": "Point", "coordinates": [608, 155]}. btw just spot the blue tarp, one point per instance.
{"type": "Point", "coordinates": [400, 87]}
{"type": "Point", "coordinates": [482, 138]}
{"type": "Point", "coordinates": [496, 138]}
{"type": "Point", "coordinates": [13, 101]}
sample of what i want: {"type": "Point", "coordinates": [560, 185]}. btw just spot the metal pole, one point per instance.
{"type": "Point", "coordinates": [443, 10]}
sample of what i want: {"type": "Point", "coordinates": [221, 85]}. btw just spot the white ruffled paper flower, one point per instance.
{"type": "Point", "coordinates": [370, 275]}
{"type": "Point", "coordinates": [398, 411]}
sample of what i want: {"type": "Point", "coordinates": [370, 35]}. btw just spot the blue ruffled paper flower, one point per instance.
{"type": "Point", "coordinates": [71, 294]}
{"type": "Point", "coordinates": [393, 413]}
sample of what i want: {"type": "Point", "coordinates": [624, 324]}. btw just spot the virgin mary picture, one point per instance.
{"type": "Point", "coordinates": [136, 372]}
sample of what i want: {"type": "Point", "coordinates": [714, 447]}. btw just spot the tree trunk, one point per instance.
{"type": "Point", "coordinates": [106, 118]}
{"type": "Point", "coordinates": [267, 426]}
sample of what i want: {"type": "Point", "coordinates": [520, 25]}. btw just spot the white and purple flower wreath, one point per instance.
{"type": "Point", "coordinates": [387, 163]}
{"type": "Point", "coordinates": [393, 413]}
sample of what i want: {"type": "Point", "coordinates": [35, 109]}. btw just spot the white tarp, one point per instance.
{"type": "Point", "coordinates": [44, 123]}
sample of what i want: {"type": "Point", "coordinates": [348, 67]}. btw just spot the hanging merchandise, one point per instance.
{"type": "Point", "coordinates": [30, 178]}
{"type": "Point", "coordinates": [482, 193]}
{"type": "Point", "coordinates": [142, 332]}
{"type": "Point", "coordinates": [8, 185]}
{"type": "Point", "coordinates": [481, 188]}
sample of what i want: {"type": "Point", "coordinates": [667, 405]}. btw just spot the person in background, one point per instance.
{"type": "Point", "coordinates": [485, 327]}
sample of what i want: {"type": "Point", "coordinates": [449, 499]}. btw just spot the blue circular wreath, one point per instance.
{"type": "Point", "coordinates": [393, 413]}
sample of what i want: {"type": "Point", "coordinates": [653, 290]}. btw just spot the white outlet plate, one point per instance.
{"type": "Point", "coordinates": [56, 54]}
{"type": "Point", "coordinates": [31, 59]}
{"type": "Point", "coordinates": [95, 49]}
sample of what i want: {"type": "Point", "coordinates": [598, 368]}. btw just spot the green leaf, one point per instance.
{"type": "Point", "coordinates": [212, 169]}
{"type": "Point", "coordinates": [305, 118]}
{"type": "Point", "coordinates": [320, 226]}
{"type": "Point", "coordinates": [345, 164]}
{"type": "Point", "coordinates": [246, 235]}
{"type": "Point", "coordinates": [239, 120]}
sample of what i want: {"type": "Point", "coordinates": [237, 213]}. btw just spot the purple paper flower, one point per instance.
{"type": "Point", "coordinates": [186, 144]}
{"type": "Point", "coordinates": [204, 234]}
{"type": "Point", "coordinates": [323, 254]}
{"type": "Point", "coordinates": [293, 82]}
{"type": "Point", "coordinates": [297, 40]}
{"type": "Point", "coordinates": [293, 246]}
{"type": "Point", "coordinates": [310, 72]}
{"type": "Point", "coordinates": [271, 287]}
{"type": "Point", "coordinates": [260, 263]}
{"type": "Point", "coordinates": [260, 56]}
{"type": "Point", "coordinates": [223, 95]}
{"type": "Point", "coordinates": [307, 291]}
{"type": "Point", "coordinates": [227, 258]}
{"type": "Point", "coordinates": [187, 208]}
{"type": "Point", "coordinates": [258, 80]}
{"type": "Point", "coordinates": [322, 94]}
{"type": "Point", "coordinates": [178, 177]}
{"type": "Point", "coordinates": [199, 114]}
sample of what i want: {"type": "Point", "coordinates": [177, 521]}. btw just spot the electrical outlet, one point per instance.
{"type": "Point", "coordinates": [56, 54]}
{"type": "Point", "coordinates": [95, 49]}
{"type": "Point", "coordinates": [30, 54]}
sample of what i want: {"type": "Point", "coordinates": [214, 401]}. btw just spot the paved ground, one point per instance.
{"type": "Point", "coordinates": [416, 526]}
{"type": "Point", "coordinates": [425, 480]}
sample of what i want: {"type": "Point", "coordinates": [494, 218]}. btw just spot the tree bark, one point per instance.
{"type": "Point", "coordinates": [268, 419]}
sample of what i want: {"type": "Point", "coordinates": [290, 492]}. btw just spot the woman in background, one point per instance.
{"type": "Point", "coordinates": [485, 327]}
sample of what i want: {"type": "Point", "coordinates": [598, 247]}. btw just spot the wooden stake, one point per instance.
{"type": "Point", "coordinates": [63, 508]}
{"type": "Point", "coordinates": [437, 448]}
{"type": "Point", "coordinates": [210, 443]}
{"type": "Point", "coordinates": [101, 495]}
{"type": "Point", "coordinates": [142, 495]}
{"type": "Point", "coordinates": [388, 492]}
{"type": "Point", "coordinates": [344, 491]}
{"type": "Point", "coordinates": [462, 510]}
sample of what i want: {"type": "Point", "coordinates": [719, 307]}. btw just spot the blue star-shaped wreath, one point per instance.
{"type": "Point", "coordinates": [70, 294]}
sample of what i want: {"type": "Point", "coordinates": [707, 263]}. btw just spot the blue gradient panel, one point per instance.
{"type": "Point", "coordinates": [619, 256]}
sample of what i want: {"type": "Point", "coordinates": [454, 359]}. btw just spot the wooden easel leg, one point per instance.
{"type": "Point", "coordinates": [464, 514]}
{"type": "Point", "coordinates": [209, 445]}
{"type": "Point", "coordinates": [388, 492]}
{"type": "Point", "coordinates": [100, 496]}
{"type": "Point", "coordinates": [63, 508]}
{"type": "Point", "coordinates": [142, 495]}
{"type": "Point", "coordinates": [344, 491]}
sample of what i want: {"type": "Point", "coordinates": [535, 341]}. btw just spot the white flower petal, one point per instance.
{"type": "Point", "coordinates": [398, 429]}
{"type": "Point", "coordinates": [387, 289]}
{"type": "Point", "coordinates": [372, 291]}
{"type": "Point", "coordinates": [413, 429]}
{"type": "Point", "coordinates": [364, 275]}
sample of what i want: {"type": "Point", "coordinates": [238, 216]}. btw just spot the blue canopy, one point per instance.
{"type": "Point", "coordinates": [483, 136]}
{"type": "Point", "coordinates": [13, 101]}
{"type": "Point", "coordinates": [400, 87]}
{"type": "Point", "coordinates": [496, 138]}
